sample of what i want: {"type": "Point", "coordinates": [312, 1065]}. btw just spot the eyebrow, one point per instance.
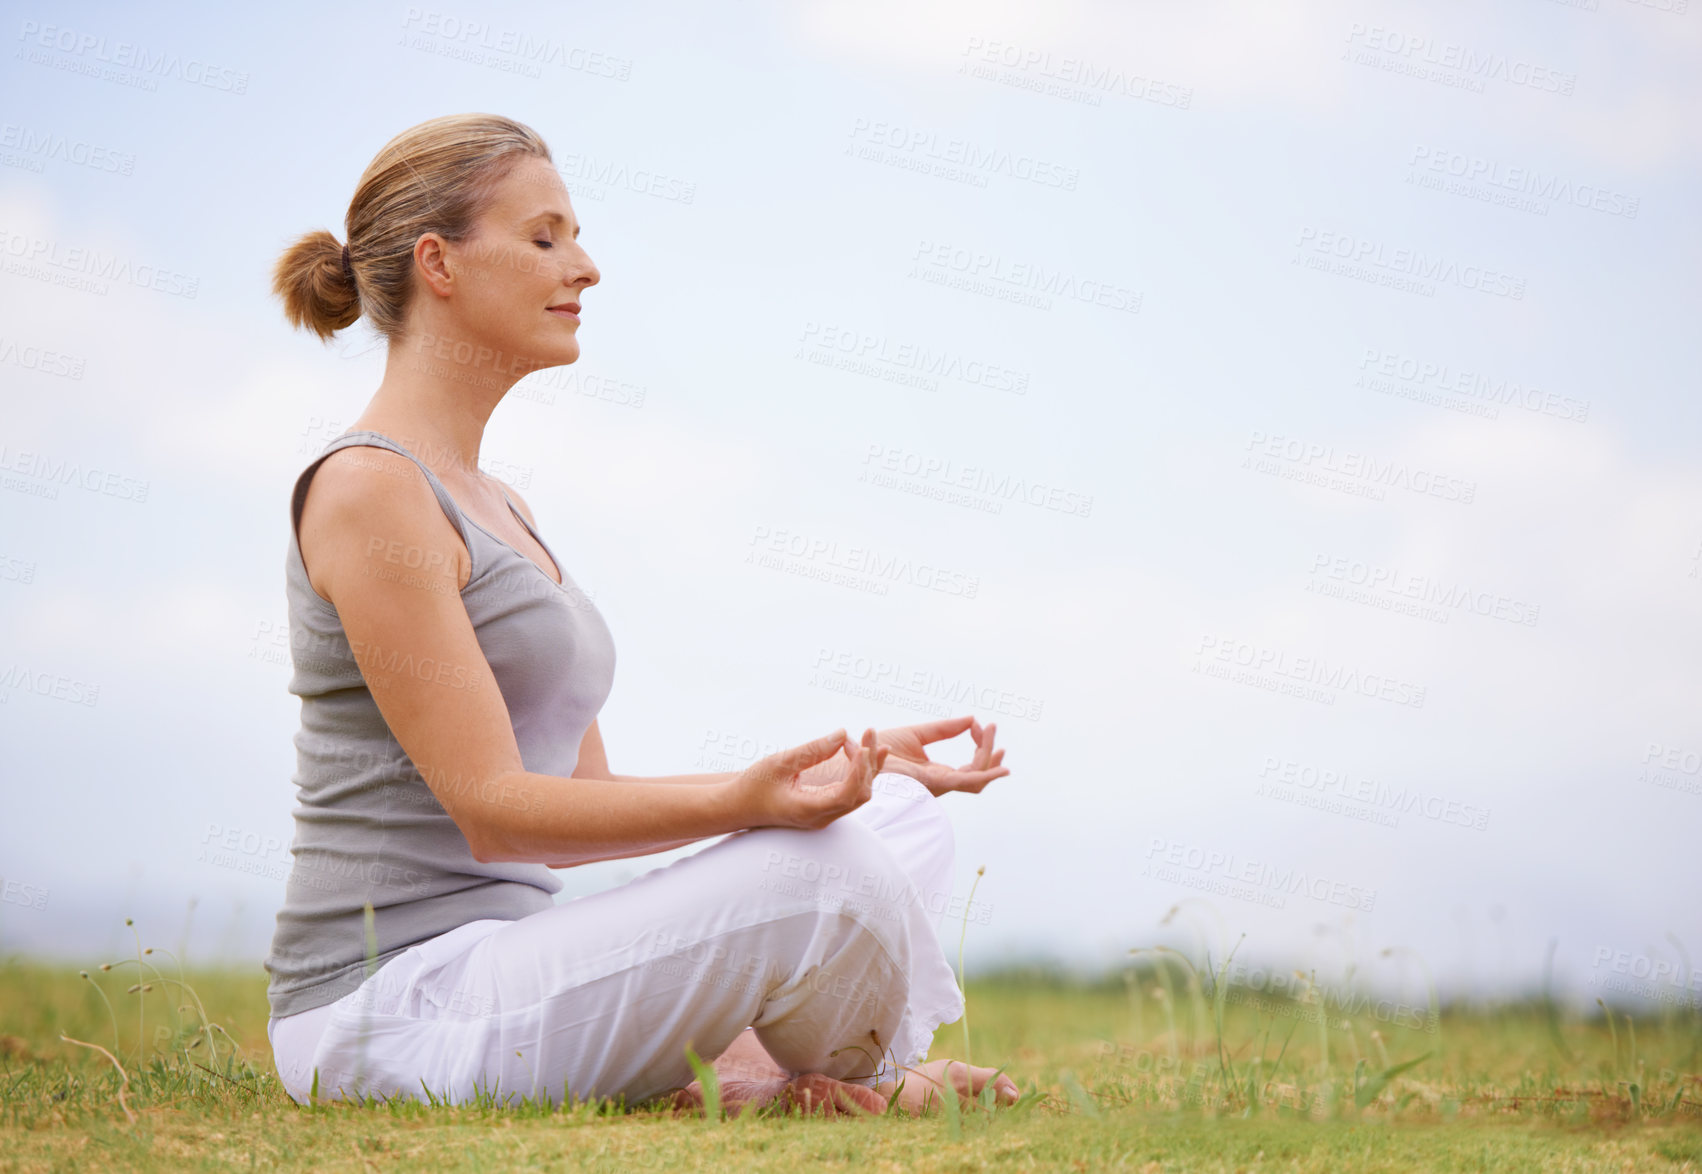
{"type": "Point", "coordinates": [553, 218]}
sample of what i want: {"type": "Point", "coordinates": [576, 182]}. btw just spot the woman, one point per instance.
{"type": "Point", "coordinates": [450, 673]}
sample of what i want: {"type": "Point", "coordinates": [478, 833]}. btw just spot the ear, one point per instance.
{"type": "Point", "coordinates": [431, 263]}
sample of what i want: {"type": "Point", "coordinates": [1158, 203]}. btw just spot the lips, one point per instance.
{"type": "Point", "coordinates": [570, 307]}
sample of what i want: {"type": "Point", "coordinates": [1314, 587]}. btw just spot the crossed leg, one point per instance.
{"type": "Point", "coordinates": [910, 822]}
{"type": "Point", "coordinates": [824, 943]}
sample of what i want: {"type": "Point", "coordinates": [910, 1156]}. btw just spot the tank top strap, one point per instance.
{"type": "Point", "coordinates": [372, 439]}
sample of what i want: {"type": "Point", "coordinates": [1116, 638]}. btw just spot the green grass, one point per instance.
{"type": "Point", "coordinates": [1157, 1070]}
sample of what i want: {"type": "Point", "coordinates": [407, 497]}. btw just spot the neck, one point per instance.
{"type": "Point", "coordinates": [436, 410]}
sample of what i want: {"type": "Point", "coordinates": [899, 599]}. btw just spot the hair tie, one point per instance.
{"type": "Point", "coordinates": [348, 269]}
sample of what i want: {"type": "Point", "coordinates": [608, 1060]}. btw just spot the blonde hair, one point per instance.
{"type": "Point", "coordinates": [437, 177]}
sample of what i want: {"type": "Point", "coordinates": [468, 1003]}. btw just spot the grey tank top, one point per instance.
{"type": "Point", "coordinates": [367, 828]}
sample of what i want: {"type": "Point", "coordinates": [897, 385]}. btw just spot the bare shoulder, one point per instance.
{"type": "Point", "coordinates": [359, 479]}
{"type": "Point", "coordinates": [364, 503]}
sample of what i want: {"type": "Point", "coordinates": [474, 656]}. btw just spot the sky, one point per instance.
{"type": "Point", "coordinates": [1280, 419]}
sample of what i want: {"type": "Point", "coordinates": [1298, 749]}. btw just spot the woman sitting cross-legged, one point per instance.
{"type": "Point", "coordinates": [450, 673]}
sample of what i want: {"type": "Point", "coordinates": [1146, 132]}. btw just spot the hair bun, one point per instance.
{"type": "Point", "coordinates": [316, 282]}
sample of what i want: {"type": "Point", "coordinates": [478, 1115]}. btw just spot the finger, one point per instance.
{"type": "Point", "coordinates": [854, 760]}
{"type": "Point", "coordinates": [919, 771]}
{"type": "Point", "coordinates": [877, 756]}
{"type": "Point", "coordinates": [984, 749]}
{"type": "Point", "coordinates": [807, 755]}
{"type": "Point", "coordinates": [973, 780]}
{"type": "Point", "coordinates": [858, 785]}
{"type": "Point", "coordinates": [946, 727]}
{"type": "Point", "coordinates": [870, 756]}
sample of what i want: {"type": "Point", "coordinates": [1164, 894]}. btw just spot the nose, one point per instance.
{"type": "Point", "coordinates": [584, 271]}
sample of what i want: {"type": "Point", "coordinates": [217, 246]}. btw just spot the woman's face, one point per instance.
{"type": "Point", "coordinates": [525, 273]}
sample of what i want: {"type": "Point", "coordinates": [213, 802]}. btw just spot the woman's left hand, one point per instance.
{"type": "Point", "coordinates": [907, 755]}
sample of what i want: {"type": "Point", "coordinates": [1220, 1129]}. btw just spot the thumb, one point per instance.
{"type": "Point", "coordinates": [807, 755]}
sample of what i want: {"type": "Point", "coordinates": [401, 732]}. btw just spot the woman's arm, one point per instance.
{"type": "Point", "coordinates": [452, 721]}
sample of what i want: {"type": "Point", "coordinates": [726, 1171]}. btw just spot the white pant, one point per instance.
{"type": "Point", "coordinates": [825, 942]}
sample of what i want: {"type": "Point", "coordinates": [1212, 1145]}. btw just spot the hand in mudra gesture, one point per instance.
{"type": "Point", "coordinates": [810, 786]}
{"type": "Point", "coordinates": [907, 754]}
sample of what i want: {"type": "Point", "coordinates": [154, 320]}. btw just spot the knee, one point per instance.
{"type": "Point", "coordinates": [843, 858]}
{"type": "Point", "coordinates": [901, 799]}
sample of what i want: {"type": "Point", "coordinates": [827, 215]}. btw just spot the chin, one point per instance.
{"type": "Point", "coordinates": [558, 354]}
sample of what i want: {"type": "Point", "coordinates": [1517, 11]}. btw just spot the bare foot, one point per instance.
{"type": "Point", "coordinates": [812, 1092]}
{"type": "Point", "coordinates": [749, 1078]}
{"type": "Point", "coordinates": [924, 1086]}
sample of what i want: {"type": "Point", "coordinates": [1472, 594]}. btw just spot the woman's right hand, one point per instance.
{"type": "Point", "coordinates": [771, 793]}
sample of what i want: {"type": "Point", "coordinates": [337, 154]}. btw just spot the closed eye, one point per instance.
{"type": "Point", "coordinates": [546, 244]}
